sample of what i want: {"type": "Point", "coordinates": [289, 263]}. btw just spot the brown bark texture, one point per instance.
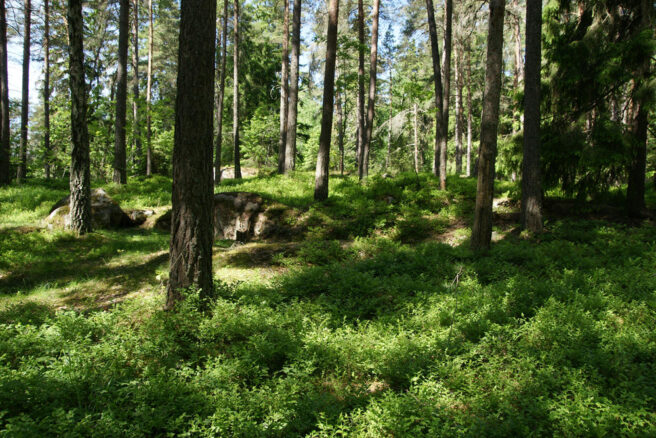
{"type": "Point", "coordinates": [482, 228]}
{"type": "Point", "coordinates": [80, 178]}
{"type": "Point", "coordinates": [284, 89]}
{"type": "Point", "coordinates": [25, 99]}
{"type": "Point", "coordinates": [120, 157]}
{"type": "Point", "coordinates": [360, 98]}
{"type": "Point", "coordinates": [437, 80]}
{"type": "Point", "coordinates": [136, 125]}
{"type": "Point", "coordinates": [192, 213]}
{"type": "Point", "coordinates": [373, 58]}
{"type": "Point", "coordinates": [292, 105]}
{"type": "Point", "coordinates": [531, 206]}
{"type": "Point", "coordinates": [149, 89]}
{"type": "Point", "coordinates": [220, 95]}
{"type": "Point", "coordinates": [5, 151]}
{"type": "Point", "coordinates": [46, 88]}
{"type": "Point", "coordinates": [235, 90]}
{"type": "Point", "coordinates": [323, 158]}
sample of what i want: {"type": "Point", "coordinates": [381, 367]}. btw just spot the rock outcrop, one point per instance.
{"type": "Point", "coordinates": [105, 213]}
{"type": "Point", "coordinates": [242, 216]}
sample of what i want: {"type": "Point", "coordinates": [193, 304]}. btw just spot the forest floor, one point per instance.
{"type": "Point", "coordinates": [375, 320]}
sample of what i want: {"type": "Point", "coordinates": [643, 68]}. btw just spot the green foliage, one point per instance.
{"type": "Point", "coordinates": [369, 336]}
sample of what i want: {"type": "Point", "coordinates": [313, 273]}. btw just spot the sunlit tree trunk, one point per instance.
{"type": "Point", "coordinates": [25, 100]}
{"type": "Point", "coordinates": [5, 152]}
{"type": "Point", "coordinates": [284, 89]}
{"type": "Point", "coordinates": [120, 159]}
{"type": "Point", "coordinates": [136, 127]}
{"type": "Point", "coordinates": [446, 87]}
{"type": "Point", "coordinates": [290, 149]}
{"type": "Point", "coordinates": [373, 58]}
{"type": "Point", "coordinates": [220, 96]}
{"type": "Point", "coordinates": [46, 88]}
{"type": "Point", "coordinates": [469, 114]}
{"type": "Point", "coordinates": [235, 90]}
{"type": "Point", "coordinates": [340, 131]}
{"type": "Point", "coordinates": [80, 178]}
{"type": "Point", "coordinates": [360, 98]}
{"type": "Point", "coordinates": [323, 158]}
{"type": "Point", "coordinates": [437, 78]}
{"type": "Point", "coordinates": [531, 207]}
{"type": "Point", "coordinates": [149, 89]}
{"type": "Point", "coordinates": [482, 229]}
{"type": "Point", "coordinates": [416, 137]}
{"type": "Point", "coordinates": [458, 108]}
{"type": "Point", "coordinates": [192, 212]}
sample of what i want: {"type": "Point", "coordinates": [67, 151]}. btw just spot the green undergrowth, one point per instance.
{"type": "Point", "coordinates": [372, 330]}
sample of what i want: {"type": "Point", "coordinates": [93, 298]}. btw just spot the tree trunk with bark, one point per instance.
{"type": "Point", "coordinates": [360, 98]}
{"type": "Point", "coordinates": [446, 87]}
{"type": "Point", "coordinates": [25, 100]}
{"type": "Point", "coordinates": [635, 191]}
{"type": "Point", "coordinates": [416, 137]}
{"type": "Point", "coordinates": [220, 96]}
{"type": "Point", "coordinates": [458, 108]}
{"type": "Point", "coordinates": [373, 58]}
{"type": "Point", "coordinates": [323, 158]}
{"type": "Point", "coordinates": [120, 158]}
{"type": "Point", "coordinates": [5, 152]}
{"type": "Point", "coordinates": [284, 89]}
{"type": "Point", "coordinates": [469, 114]}
{"type": "Point", "coordinates": [46, 88]}
{"type": "Point", "coordinates": [136, 127]}
{"type": "Point", "coordinates": [437, 79]}
{"type": "Point", "coordinates": [292, 115]}
{"type": "Point", "coordinates": [192, 214]}
{"type": "Point", "coordinates": [340, 131]}
{"type": "Point", "coordinates": [531, 207]}
{"type": "Point", "coordinates": [80, 178]}
{"type": "Point", "coordinates": [235, 90]}
{"type": "Point", "coordinates": [149, 89]}
{"type": "Point", "coordinates": [482, 229]}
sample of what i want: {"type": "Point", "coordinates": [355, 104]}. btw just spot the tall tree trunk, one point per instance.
{"type": "Point", "coordinates": [5, 152]}
{"type": "Point", "coordinates": [388, 159]}
{"type": "Point", "coordinates": [482, 229]}
{"type": "Point", "coordinates": [284, 89]}
{"type": "Point", "coordinates": [192, 230]}
{"type": "Point", "coordinates": [149, 89]}
{"type": "Point", "coordinates": [221, 95]}
{"type": "Point", "coordinates": [635, 191]}
{"type": "Point", "coordinates": [80, 179]}
{"type": "Point", "coordinates": [437, 78]}
{"type": "Point", "coordinates": [235, 90]}
{"type": "Point", "coordinates": [416, 137]}
{"type": "Point", "coordinates": [120, 159]}
{"type": "Point", "coordinates": [136, 128]}
{"type": "Point", "coordinates": [518, 75]}
{"type": "Point", "coordinates": [290, 149]}
{"type": "Point", "coordinates": [469, 113]}
{"type": "Point", "coordinates": [446, 87]}
{"type": "Point", "coordinates": [373, 58]}
{"type": "Point", "coordinates": [46, 88]}
{"type": "Point", "coordinates": [323, 158]}
{"type": "Point", "coordinates": [459, 116]}
{"type": "Point", "coordinates": [531, 207]}
{"type": "Point", "coordinates": [360, 99]}
{"type": "Point", "coordinates": [25, 100]}
{"type": "Point", "coordinates": [340, 131]}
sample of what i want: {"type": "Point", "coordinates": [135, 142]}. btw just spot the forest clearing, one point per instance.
{"type": "Point", "coordinates": [286, 218]}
